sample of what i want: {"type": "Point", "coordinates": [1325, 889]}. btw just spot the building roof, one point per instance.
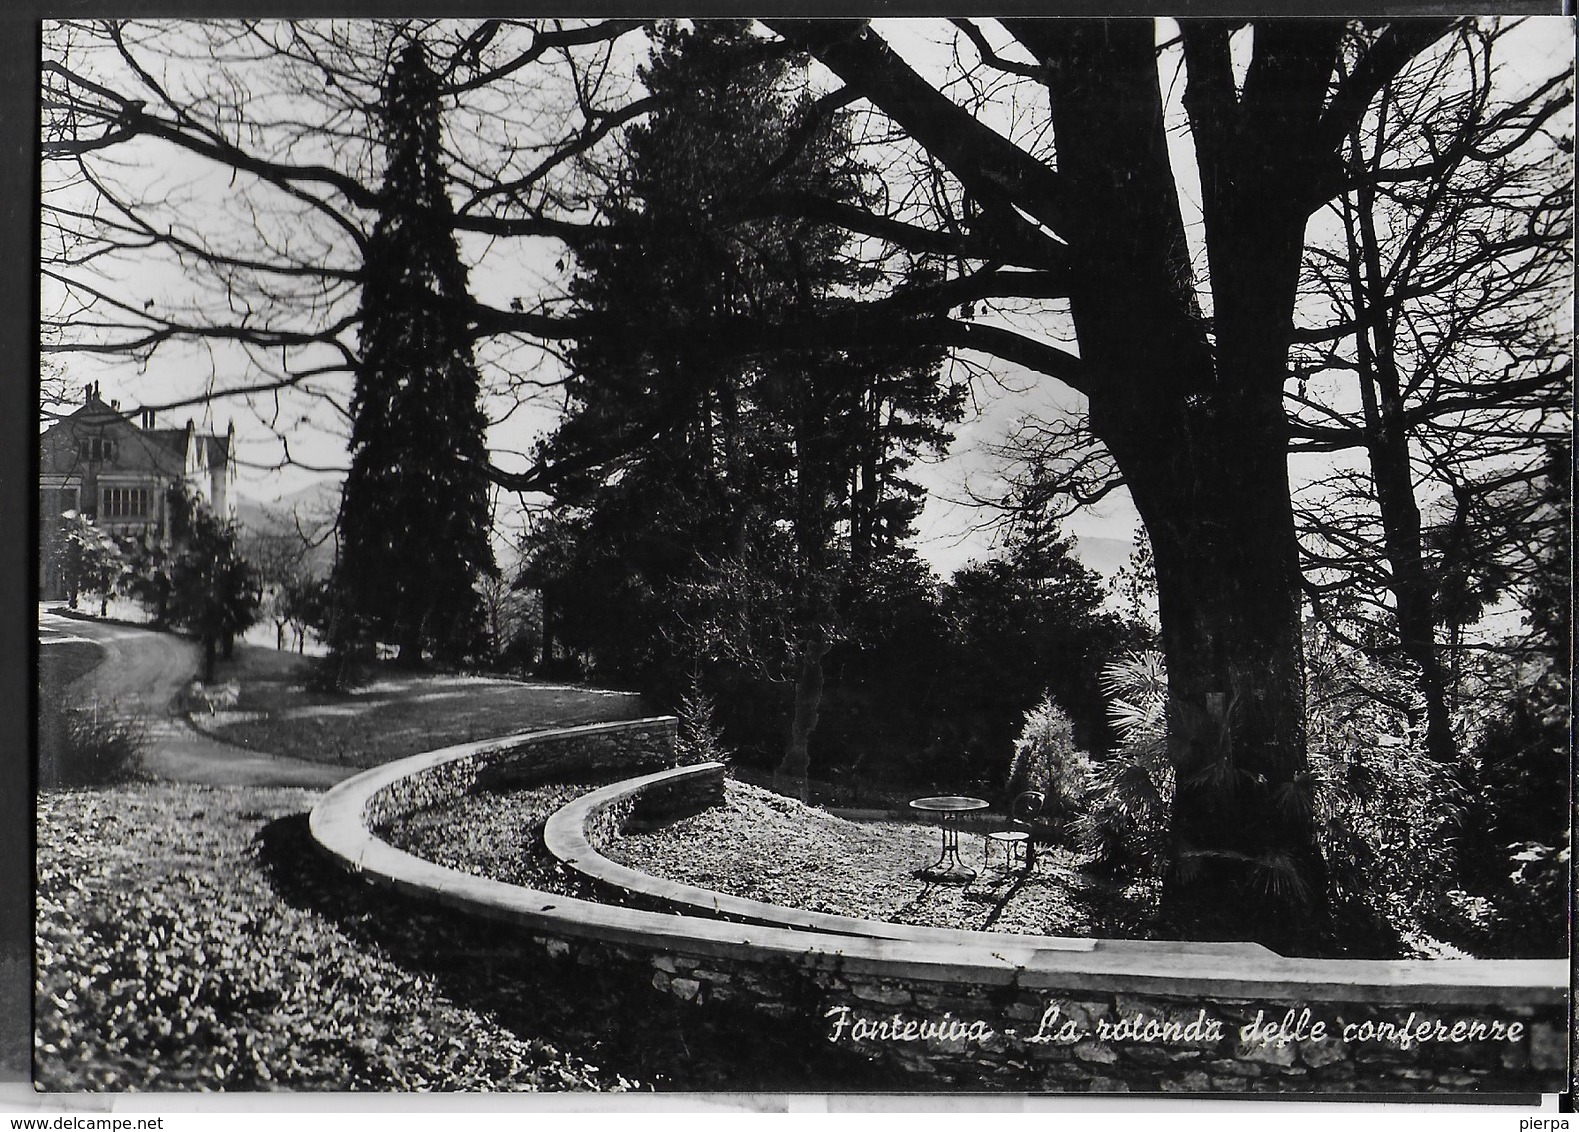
{"type": "Point", "coordinates": [212, 450]}
{"type": "Point", "coordinates": [95, 411]}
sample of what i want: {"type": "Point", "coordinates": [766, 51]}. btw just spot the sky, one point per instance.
{"type": "Point", "coordinates": [952, 532]}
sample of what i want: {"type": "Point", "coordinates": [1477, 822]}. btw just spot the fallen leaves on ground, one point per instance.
{"type": "Point", "coordinates": [166, 960]}
{"type": "Point", "coordinates": [496, 835]}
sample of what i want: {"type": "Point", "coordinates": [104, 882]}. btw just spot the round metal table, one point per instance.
{"type": "Point", "coordinates": [948, 807]}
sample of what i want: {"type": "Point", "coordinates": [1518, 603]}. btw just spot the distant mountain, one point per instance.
{"type": "Point", "coordinates": [317, 501]}
{"type": "Point", "coordinates": [315, 506]}
{"type": "Point", "coordinates": [309, 512]}
{"type": "Point", "coordinates": [1107, 556]}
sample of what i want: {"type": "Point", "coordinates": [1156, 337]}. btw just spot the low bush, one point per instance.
{"type": "Point", "coordinates": [338, 671]}
{"type": "Point", "coordinates": [86, 746]}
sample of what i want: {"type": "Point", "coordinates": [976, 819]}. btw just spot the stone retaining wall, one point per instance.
{"type": "Point", "coordinates": [1002, 1012]}
{"type": "Point", "coordinates": [966, 1034]}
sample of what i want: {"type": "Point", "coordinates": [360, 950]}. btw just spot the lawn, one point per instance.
{"type": "Point", "coordinates": [80, 740]}
{"type": "Point", "coordinates": [396, 713]}
{"type": "Point", "coordinates": [60, 664]}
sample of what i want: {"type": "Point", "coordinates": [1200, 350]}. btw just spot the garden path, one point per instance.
{"type": "Point", "coordinates": [143, 674]}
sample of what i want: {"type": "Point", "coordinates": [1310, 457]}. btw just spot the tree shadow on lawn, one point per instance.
{"type": "Point", "coordinates": [999, 900]}
{"type": "Point", "coordinates": [395, 712]}
{"type": "Point", "coordinates": [610, 1015]}
{"type": "Point", "coordinates": [1067, 900]}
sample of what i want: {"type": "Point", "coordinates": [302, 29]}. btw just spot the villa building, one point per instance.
{"type": "Point", "coordinates": [114, 470]}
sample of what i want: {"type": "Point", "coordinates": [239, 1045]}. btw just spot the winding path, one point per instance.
{"type": "Point", "coordinates": [143, 673]}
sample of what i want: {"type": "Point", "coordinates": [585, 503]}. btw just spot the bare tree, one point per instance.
{"type": "Point", "coordinates": [277, 561]}
{"type": "Point", "coordinates": [211, 188]}
{"type": "Point", "coordinates": [1188, 406]}
{"type": "Point", "coordinates": [1446, 295]}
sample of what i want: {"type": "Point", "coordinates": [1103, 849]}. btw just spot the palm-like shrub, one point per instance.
{"type": "Point", "coordinates": [1388, 818]}
{"type": "Point", "coordinates": [1131, 790]}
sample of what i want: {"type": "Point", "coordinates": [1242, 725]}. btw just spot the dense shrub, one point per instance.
{"type": "Point", "coordinates": [1047, 760]}
{"type": "Point", "coordinates": [1516, 837]}
{"type": "Point", "coordinates": [1402, 834]}
{"type": "Point", "coordinates": [86, 746]}
{"type": "Point", "coordinates": [1387, 818]}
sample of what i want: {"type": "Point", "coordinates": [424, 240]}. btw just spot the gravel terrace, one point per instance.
{"type": "Point", "coordinates": [763, 846]}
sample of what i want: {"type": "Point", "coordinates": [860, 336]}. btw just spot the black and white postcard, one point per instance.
{"type": "Point", "coordinates": [1020, 555]}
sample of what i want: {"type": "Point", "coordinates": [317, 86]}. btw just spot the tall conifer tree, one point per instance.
{"type": "Point", "coordinates": [770, 473]}
{"type": "Point", "coordinates": [414, 517]}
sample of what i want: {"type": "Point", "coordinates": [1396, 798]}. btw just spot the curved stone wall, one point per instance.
{"type": "Point", "coordinates": [570, 833]}
{"type": "Point", "coordinates": [973, 1011]}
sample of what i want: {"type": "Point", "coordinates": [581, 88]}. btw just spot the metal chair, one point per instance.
{"type": "Point", "coordinates": [1016, 840]}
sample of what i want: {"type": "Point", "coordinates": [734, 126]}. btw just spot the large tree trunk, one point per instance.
{"type": "Point", "coordinates": [1245, 861]}
{"type": "Point", "coordinates": [408, 643]}
{"type": "Point", "coordinates": [813, 531]}
{"type": "Point", "coordinates": [1194, 419]}
{"type": "Point", "coordinates": [546, 664]}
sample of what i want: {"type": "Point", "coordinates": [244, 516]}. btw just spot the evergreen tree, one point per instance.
{"type": "Point", "coordinates": [1027, 623]}
{"type": "Point", "coordinates": [414, 517]}
{"type": "Point", "coordinates": [213, 590]}
{"type": "Point", "coordinates": [745, 485]}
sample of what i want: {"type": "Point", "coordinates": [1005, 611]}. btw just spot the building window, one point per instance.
{"type": "Point", "coordinates": [125, 503]}
{"type": "Point", "coordinates": [96, 448]}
